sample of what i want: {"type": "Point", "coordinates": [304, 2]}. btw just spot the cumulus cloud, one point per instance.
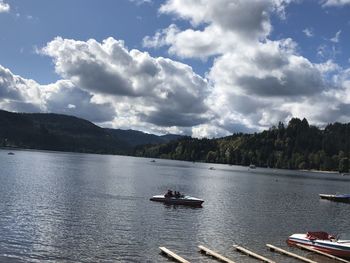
{"type": "Point", "coordinates": [160, 91]}
{"type": "Point", "coordinates": [4, 7]}
{"type": "Point", "coordinates": [256, 82]}
{"type": "Point", "coordinates": [65, 98]}
{"type": "Point", "coordinates": [218, 26]}
{"type": "Point", "coordinates": [25, 95]}
{"type": "Point", "coordinates": [16, 90]}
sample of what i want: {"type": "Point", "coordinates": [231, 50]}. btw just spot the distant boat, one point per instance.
{"type": "Point", "coordinates": [153, 161]}
{"type": "Point", "coordinates": [211, 168]}
{"type": "Point", "coordinates": [182, 200]}
{"type": "Point", "coordinates": [344, 198]}
{"type": "Point", "coordinates": [10, 153]}
{"type": "Point", "coordinates": [252, 166]}
{"type": "Point", "coordinates": [322, 241]}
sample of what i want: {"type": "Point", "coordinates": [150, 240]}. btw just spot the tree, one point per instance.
{"type": "Point", "coordinates": [344, 165]}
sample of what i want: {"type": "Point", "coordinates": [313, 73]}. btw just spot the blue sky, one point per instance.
{"type": "Point", "coordinates": [203, 68]}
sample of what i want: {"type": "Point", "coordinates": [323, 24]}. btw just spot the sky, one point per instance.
{"type": "Point", "coordinates": [205, 68]}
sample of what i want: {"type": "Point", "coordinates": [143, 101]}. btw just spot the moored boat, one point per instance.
{"type": "Point", "coordinates": [345, 198]}
{"type": "Point", "coordinates": [182, 200]}
{"type": "Point", "coordinates": [322, 241]}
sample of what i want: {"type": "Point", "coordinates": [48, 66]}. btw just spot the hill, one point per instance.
{"type": "Point", "coordinates": [48, 131]}
{"type": "Point", "coordinates": [56, 132]}
{"type": "Point", "coordinates": [135, 138]}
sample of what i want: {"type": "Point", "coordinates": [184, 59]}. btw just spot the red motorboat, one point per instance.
{"type": "Point", "coordinates": [322, 241]}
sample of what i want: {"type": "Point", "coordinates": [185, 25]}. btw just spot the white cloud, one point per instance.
{"type": "Point", "coordinates": [308, 32]}
{"type": "Point", "coordinates": [4, 7]}
{"type": "Point", "coordinates": [218, 26]}
{"type": "Point", "coordinates": [256, 81]}
{"type": "Point", "coordinates": [335, 39]}
{"type": "Point", "coordinates": [159, 91]}
{"type": "Point", "coordinates": [14, 89]}
{"type": "Point", "coordinates": [25, 95]}
{"type": "Point", "coordinates": [335, 2]}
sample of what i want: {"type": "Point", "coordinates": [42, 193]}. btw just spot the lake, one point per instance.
{"type": "Point", "coordinates": [69, 207]}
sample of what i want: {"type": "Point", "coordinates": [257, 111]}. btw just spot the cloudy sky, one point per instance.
{"type": "Point", "coordinates": [197, 67]}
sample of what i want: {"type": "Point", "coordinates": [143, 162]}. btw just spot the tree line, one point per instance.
{"type": "Point", "coordinates": [295, 146]}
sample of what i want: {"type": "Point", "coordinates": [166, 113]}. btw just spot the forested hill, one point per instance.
{"type": "Point", "coordinates": [58, 132]}
{"type": "Point", "coordinates": [297, 146]}
{"type": "Point", "coordinates": [134, 138]}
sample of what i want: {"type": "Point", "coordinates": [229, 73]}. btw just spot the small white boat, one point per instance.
{"type": "Point", "coordinates": [322, 241]}
{"type": "Point", "coordinates": [252, 166]}
{"type": "Point", "coordinates": [344, 198]}
{"type": "Point", "coordinates": [183, 200]}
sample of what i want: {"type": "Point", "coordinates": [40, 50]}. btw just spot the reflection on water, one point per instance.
{"type": "Point", "coordinates": [65, 207]}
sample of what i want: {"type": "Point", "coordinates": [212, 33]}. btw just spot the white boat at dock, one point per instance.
{"type": "Point", "coordinates": [323, 242]}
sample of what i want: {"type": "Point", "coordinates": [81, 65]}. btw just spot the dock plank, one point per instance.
{"type": "Point", "coordinates": [253, 254]}
{"type": "Point", "coordinates": [322, 253]}
{"type": "Point", "coordinates": [174, 256]}
{"type": "Point", "coordinates": [285, 252]}
{"type": "Point", "coordinates": [215, 254]}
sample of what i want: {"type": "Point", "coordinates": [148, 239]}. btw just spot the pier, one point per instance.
{"type": "Point", "coordinates": [219, 257]}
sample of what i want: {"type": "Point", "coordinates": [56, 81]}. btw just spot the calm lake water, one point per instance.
{"type": "Point", "coordinates": [67, 207]}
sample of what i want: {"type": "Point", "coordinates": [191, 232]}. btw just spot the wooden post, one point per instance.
{"type": "Point", "coordinates": [322, 253]}
{"type": "Point", "coordinates": [273, 248]}
{"type": "Point", "coordinates": [214, 254]}
{"type": "Point", "coordinates": [172, 255]}
{"type": "Point", "coordinates": [252, 254]}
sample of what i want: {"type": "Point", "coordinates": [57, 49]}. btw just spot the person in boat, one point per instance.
{"type": "Point", "coordinates": [177, 194]}
{"type": "Point", "coordinates": [169, 194]}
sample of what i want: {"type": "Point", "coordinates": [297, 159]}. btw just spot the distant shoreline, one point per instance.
{"type": "Point", "coordinates": [319, 171]}
{"type": "Point", "coordinates": [201, 161]}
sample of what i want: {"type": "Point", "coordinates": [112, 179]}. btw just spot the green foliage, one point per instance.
{"type": "Point", "coordinates": [296, 146]}
{"type": "Point", "coordinates": [344, 165]}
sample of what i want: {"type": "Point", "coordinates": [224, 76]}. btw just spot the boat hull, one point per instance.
{"type": "Point", "coordinates": [336, 248]}
{"type": "Point", "coordinates": [187, 200]}
{"type": "Point", "coordinates": [336, 198]}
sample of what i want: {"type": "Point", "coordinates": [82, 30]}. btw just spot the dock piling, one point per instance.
{"type": "Point", "coordinates": [322, 253]}
{"type": "Point", "coordinates": [252, 254]}
{"type": "Point", "coordinates": [172, 255]}
{"type": "Point", "coordinates": [285, 252]}
{"type": "Point", "coordinates": [217, 256]}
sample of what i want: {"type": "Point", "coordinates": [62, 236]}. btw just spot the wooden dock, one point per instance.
{"type": "Point", "coordinates": [172, 255]}
{"type": "Point", "coordinates": [322, 253]}
{"type": "Point", "coordinates": [217, 256]}
{"type": "Point", "coordinates": [252, 254]}
{"type": "Point", "coordinates": [285, 252]}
